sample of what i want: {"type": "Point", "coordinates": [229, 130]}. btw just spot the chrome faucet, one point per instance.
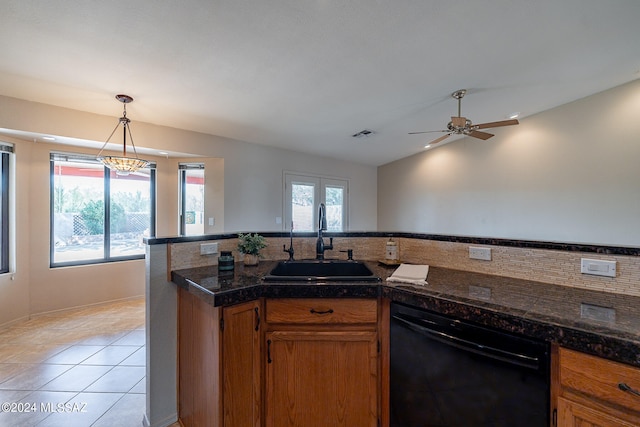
{"type": "Point", "coordinates": [290, 251]}
{"type": "Point", "coordinates": [322, 226]}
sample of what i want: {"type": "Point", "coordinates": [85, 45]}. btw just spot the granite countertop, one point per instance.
{"type": "Point", "coordinates": [608, 326]}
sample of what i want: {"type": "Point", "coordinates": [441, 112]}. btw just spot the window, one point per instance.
{"type": "Point", "coordinates": [96, 214]}
{"type": "Point", "coordinates": [5, 184]}
{"type": "Point", "coordinates": [191, 199]}
{"type": "Point", "coordinates": [303, 194]}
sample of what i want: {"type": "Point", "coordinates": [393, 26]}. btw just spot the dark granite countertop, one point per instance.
{"type": "Point", "coordinates": [609, 326]}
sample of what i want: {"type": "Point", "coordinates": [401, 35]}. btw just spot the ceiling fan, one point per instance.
{"type": "Point", "coordinates": [462, 126]}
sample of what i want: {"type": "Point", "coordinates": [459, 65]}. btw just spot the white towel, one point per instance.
{"type": "Point", "coordinates": [410, 273]}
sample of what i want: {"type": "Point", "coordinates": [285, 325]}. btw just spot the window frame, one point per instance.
{"type": "Point", "coordinates": [182, 201]}
{"type": "Point", "coordinates": [320, 184]}
{"type": "Point", "coordinates": [6, 218]}
{"type": "Point", "coordinates": [83, 158]}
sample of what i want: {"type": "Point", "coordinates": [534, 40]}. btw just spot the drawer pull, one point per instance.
{"type": "Point", "coordinates": [257, 328]}
{"type": "Point", "coordinates": [314, 311]}
{"type": "Point", "coordinates": [628, 389]}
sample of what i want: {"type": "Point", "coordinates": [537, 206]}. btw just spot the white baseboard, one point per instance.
{"type": "Point", "coordinates": [167, 421]}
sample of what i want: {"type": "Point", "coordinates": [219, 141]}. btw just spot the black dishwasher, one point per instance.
{"type": "Point", "coordinates": [451, 373]}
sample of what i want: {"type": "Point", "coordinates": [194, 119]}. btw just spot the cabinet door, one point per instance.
{"type": "Point", "coordinates": [199, 400]}
{"type": "Point", "coordinates": [321, 379]}
{"type": "Point", "coordinates": [572, 414]}
{"type": "Point", "coordinates": [241, 365]}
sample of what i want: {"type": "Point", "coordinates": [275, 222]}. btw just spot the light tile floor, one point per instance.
{"type": "Point", "coordinates": [83, 367]}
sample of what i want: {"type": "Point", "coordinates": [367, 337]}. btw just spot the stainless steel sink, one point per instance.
{"type": "Point", "coordinates": [321, 270]}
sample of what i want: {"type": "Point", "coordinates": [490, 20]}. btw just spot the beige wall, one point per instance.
{"type": "Point", "coordinates": [167, 197]}
{"type": "Point", "coordinates": [252, 172]}
{"type": "Point", "coordinates": [569, 174]}
{"type": "Point", "coordinates": [34, 287]}
{"type": "Point", "coordinates": [244, 193]}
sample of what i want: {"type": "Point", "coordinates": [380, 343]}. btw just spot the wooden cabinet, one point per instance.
{"type": "Point", "coordinates": [572, 414]}
{"type": "Point", "coordinates": [595, 392]}
{"type": "Point", "coordinates": [199, 367]}
{"type": "Point", "coordinates": [219, 363]}
{"type": "Point", "coordinates": [322, 363]}
{"type": "Point", "coordinates": [306, 362]}
{"type": "Point", "coordinates": [320, 311]}
{"type": "Point", "coordinates": [241, 365]}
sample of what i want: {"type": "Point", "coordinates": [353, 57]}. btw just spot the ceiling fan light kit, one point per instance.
{"type": "Point", "coordinates": [460, 125]}
{"type": "Point", "coordinates": [123, 165]}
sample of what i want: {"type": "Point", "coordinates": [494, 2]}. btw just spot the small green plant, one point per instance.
{"type": "Point", "coordinates": [92, 213]}
{"type": "Point", "coordinates": [251, 243]}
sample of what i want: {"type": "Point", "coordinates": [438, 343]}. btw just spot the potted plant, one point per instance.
{"type": "Point", "coordinates": [250, 245]}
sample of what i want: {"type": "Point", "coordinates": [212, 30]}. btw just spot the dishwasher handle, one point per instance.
{"type": "Point", "coordinates": [527, 361]}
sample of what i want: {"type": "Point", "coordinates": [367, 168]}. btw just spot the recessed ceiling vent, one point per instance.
{"type": "Point", "coordinates": [363, 133]}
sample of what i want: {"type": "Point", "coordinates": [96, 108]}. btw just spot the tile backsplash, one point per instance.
{"type": "Point", "coordinates": [543, 265]}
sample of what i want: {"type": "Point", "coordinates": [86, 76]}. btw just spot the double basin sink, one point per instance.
{"type": "Point", "coordinates": [321, 271]}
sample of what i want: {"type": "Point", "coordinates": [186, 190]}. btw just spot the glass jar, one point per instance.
{"type": "Point", "coordinates": [225, 261]}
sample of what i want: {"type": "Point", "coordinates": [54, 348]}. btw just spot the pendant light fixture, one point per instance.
{"type": "Point", "coordinates": [123, 165]}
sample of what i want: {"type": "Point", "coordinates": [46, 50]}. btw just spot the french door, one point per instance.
{"type": "Point", "coordinates": [303, 194]}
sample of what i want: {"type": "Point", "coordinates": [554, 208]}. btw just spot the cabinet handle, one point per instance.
{"type": "Point", "coordinates": [268, 351]}
{"type": "Point", "coordinates": [257, 319]}
{"type": "Point", "coordinates": [628, 389]}
{"type": "Point", "coordinates": [314, 311]}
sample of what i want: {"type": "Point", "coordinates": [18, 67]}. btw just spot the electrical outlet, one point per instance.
{"type": "Point", "coordinates": [598, 267]}
{"type": "Point", "coordinates": [208, 248]}
{"type": "Point", "coordinates": [480, 253]}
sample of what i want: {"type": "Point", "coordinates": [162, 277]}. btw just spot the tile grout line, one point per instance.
{"type": "Point", "coordinates": [125, 332]}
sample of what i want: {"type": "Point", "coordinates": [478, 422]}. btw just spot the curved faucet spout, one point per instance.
{"type": "Point", "coordinates": [322, 225]}
{"type": "Point", "coordinates": [322, 217]}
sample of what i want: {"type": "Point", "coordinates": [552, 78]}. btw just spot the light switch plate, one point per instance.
{"type": "Point", "coordinates": [598, 267]}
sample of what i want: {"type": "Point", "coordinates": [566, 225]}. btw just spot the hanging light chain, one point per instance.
{"type": "Point", "coordinates": [124, 164]}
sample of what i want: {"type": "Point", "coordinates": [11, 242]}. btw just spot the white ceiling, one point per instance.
{"type": "Point", "coordinates": [307, 74]}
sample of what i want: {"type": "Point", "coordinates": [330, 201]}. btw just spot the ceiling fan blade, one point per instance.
{"type": "Point", "coordinates": [481, 135]}
{"type": "Point", "coordinates": [497, 124]}
{"type": "Point", "coordinates": [427, 131]}
{"type": "Point", "coordinates": [442, 138]}
{"type": "Point", "coordinates": [458, 121]}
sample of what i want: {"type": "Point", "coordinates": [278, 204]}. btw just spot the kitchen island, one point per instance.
{"type": "Point", "coordinates": [559, 314]}
{"type": "Point", "coordinates": [578, 323]}
{"type": "Point", "coordinates": [529, 288]}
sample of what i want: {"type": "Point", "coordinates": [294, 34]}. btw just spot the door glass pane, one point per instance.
{"type": "Point", "coordinates": [78, 218]}
{"type": "Point", "coordinates": [334, 200]}
{"type": "Point", "coordinates": [194, 202]}
{"type": "Point", "coordinates": [302, 206]}
{"type": "Point", "coordinates": [130, 212]}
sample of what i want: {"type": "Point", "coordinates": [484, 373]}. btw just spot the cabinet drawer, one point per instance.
{"type": "Point", "coordinates": [574, 414]}
{"type": "Point", "coordinates": [321, 310]}
{"type": "Point", "coordinates": [600, 378]}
